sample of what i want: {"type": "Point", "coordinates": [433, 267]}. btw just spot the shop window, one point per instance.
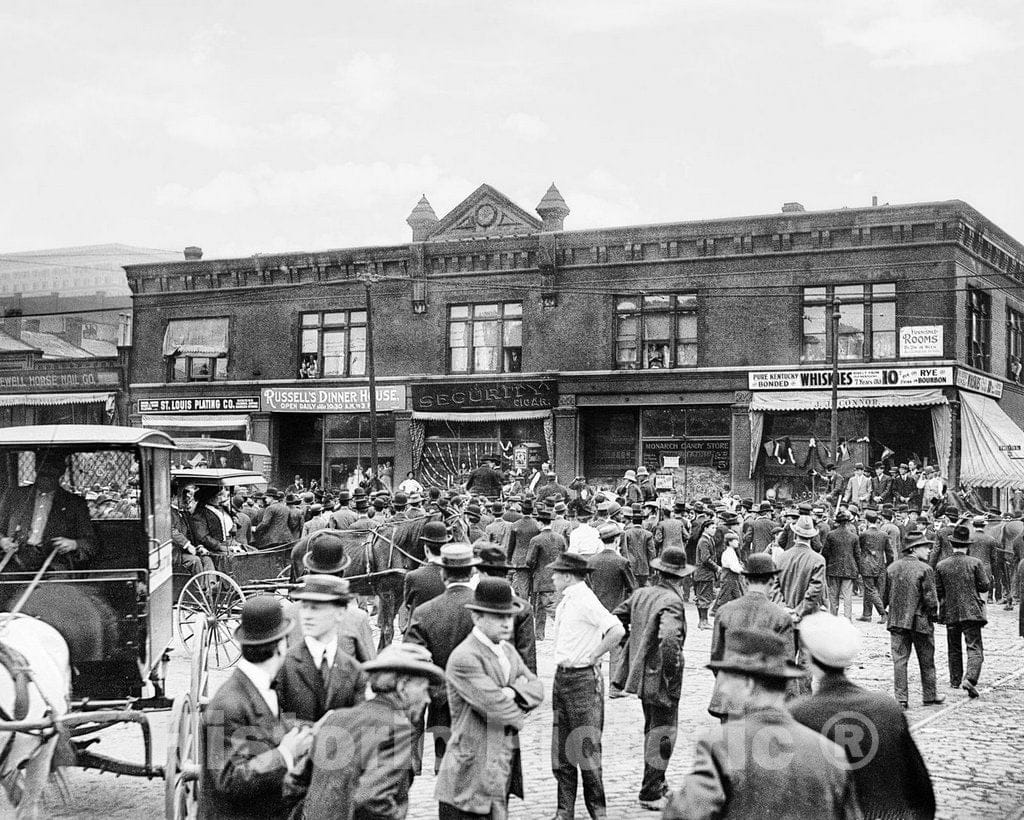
{"type": "Point", "coordinates": [1015, 345]}
{"type": "Point", "coordinates": [486, 338]}
{"type": "Point", "coordinates": [656, 331]}
{"type": "Point", "coordinates": [867, 322]}
{"type": "Point", "coordinates": [451, 449]}
{"type": "Point", "coordinates": [197, 349]}
{"type": "Point", "coordinates": [332, 344]}
{"type": "Point", "coordinates": [979, 329]}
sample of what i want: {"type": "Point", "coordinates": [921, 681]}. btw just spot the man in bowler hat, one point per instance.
{"type": "Point", "coordinates": [524, 637]}
{"type": "Point", "coordinates": [960, 584]}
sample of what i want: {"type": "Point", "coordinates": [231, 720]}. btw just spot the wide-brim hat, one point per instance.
{"type": "Point", "coordinates": [291, 499]}
{"type": "Point", "coordinates": [408, 659]}
{"type": "Point", "coordinates": [263, 621]}
{"type": "Point", "coordinates": [493, 557]}
{"type": "Point", "coordinates": [960, 536]}
{"type": "Point", "coordinates": [672, 561]}
{"type": "Point", "coordinates": [629, 475]}
{"type": "Point", "coordinates": [570, 562]}
{"type": "Point", "coordinates": [325, 553]}
{"type": "Point", "coordinates": [494, 595]}
{"type": "Point", "coordinates": [458, 556]}
{"type": "Point", "coordinates": [804, 527]}
{"type": "Point", "coordinates": [641, 471]}
{"type": "Point", "coordinates": [322, 588]}
{"type": "Point", "coordinates": [758, 653]}
{"type": "Point", "coordinates": [760, 563]}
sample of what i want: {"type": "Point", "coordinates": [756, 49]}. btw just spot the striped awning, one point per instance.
{"type": "Point", "coordinates": [51, 399]}
{"type": "Point", "coordinates": [987, 439]}
{"type": "Point", "coordinates": [782, 401]}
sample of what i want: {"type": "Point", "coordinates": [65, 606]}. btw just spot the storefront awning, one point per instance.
{"type": "Point", "coordinates": [984, 429]}
{"type": "Point", "coordinates": [497, 415]}
{"type": "Point", "coordinates": [196, 422]}
{"type": "Point", "coordinates": [781, 402]}
{"type": "Point", "coordinates": [50, 399]}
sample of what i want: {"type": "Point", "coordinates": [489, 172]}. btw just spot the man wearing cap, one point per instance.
{"type": "Point", "coordinates": [763, 764]}
{"type": "Point", "coordinates": [913, 607]}
{"type": "Point", "coordinates": [584, 632]}
{"type": "Point", "coordinates": [881, 485]}
{"type": "Point", "coordinates": [545, 547]}
{"type": "Point", "coordinates": [317, 674]}
{"type": "Point", "coordinates": [873, 558]}
{"type": "Point", "coordinates": [652, 665]}
{"type": "Point", "coordinates": [490, 692]}
{"type": "Point", "coordinates": [613, 582]}
{"type": "Point", "coordinates": [841, 552]}
{"type": "Point", "coordinates": [424, 583]}
{"type": "Point", "coordinates": [248, 750]}
{"type": "Point", "coordinates": [485, 479]}
{"type": "Point", "coordinates": [363, 757]}
{"type": "Point", "coordinates": [890, 776]}
{"type": "Point", "coordinates": [524, 637]}
{"type": "Point", "coordinates": [983, 546]}
{"type": "Point", "coordinates": [858, 488]}
{"type": "Point", "coordinates": [639, 545]}
{"type": "Point", "coordinates": [802, 582]}
{"type": "Point", "coordinates": [518, 547]}
{"type": "Point", "coordinates": [960, 584]}
{"type": "Point", "coordinates": [441, 624]}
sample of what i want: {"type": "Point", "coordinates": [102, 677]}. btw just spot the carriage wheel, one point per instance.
{"type": "Point", "coordinates": [213, 601]}
{"type": "Point", "coordinates": [184, 755]}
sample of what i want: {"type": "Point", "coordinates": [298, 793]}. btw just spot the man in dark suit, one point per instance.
{"type": "Point", "coordinates": [485, 479]}
{"type": "Point", "coordinates": [639, 547]}
{"type": "Point", "coordinates": [425, 583]}
{"type": "Point", "coordinates": [440, 625]}
{"type": "Point", "coordinates": [545, 547]}
{"type": "Point", "coordinates": [317, 675]}
{"type": "Point", "coordinates": [889, 774]}
{"type": "Point", "coordinates": [872, 559]}
{"type": "Point", "coordinates": [493, 563]}
{"type": "Point", "coordinates": [841, 551]}
{"type": "Point", "coordinates": [273, 528]}
{"type": "Point", "coordinates": [43, 518]}
{"type": "Point", "coordinates": [248, 749]}
{"type": "Point", "coordinates": [613, 582]}
{"type": "Point", "coordinates": [960, 583]}
{"type": "Point", "coordinates": [520, 535]}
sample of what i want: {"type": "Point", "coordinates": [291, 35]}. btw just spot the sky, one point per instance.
{"type": "Point", "coordinates": [247, 127]}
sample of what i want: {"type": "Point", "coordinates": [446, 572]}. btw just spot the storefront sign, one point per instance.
{"type": "Point", "coordinates": [202, 404]}
{"type": "Point", "coordinates": [921, 341]}
{"type": "Point", "coordinates": [331, 400]}
{"type": "Point", "coordinates": [690, 453]}
{"type": "Point", "coordinates": [19, 381]}
{"type": "Point", "coordinates": [851, 379]}
{"type": "Point", "coordinates": [977, 383]}
{"type": "Point", "coordinates": [536, 394]}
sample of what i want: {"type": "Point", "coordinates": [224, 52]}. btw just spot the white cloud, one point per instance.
{"type": "Point", "coordinates": [526, 126]}
{"type": "Point", "coordinates": [209, 131]}
{"type": "Point", "coordinates": [368, 82]}
{"type": "Point", "coordinates": [915, 32]}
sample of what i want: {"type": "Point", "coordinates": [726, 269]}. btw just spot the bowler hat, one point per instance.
{"type": "Point", "coordinates": [570, 562]}
{"type": "Point", "coordinates": [494, 595]}
{"type": "Point", "coordinates": [400, 501]}
{"type": "Point", "coordinates": [493, 557]}
{"type": "Point", "coordinates": [406, 659]}
{"type": "Point", "coordinates": [263, 621]}
{"type": "Point", "coordinates": [291, 499]}
{"type": "Point", "coordinates": [961, 536]}
{"type": "Point", "coordinates": [456, 556]}
{"type": "Point", "coordinates": [325, 553]}
{"type": "Point", "coordinates": [843, 516]}
{"type": "Point", "coordinates": [344, 496]}
{"type": "Point", "coordinates": [758, 653]}
{"type": "Point", "coordinates": [322, 588]}
{"type": "Point", "coordinates": [830, 640]}
{"type": "Point", "coordinates": [544, 513]}
{"type": "Point", "coordinates": [760, 564]}
{"type": "Point", "coordinates": [915, 539]}
{"type": "Point", "coordinates": [273, 492]}
{"type": "Point", "coordinates": [434, 532]}
{"type": "Point", "coordinates": [765, 507]}
{"type": "Point", "coordinates": [473, 512]}
{"type": "Point", "coordinates": [672, 561]}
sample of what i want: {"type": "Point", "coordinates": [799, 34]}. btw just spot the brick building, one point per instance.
{"type": "Point", "coordinates": [698, 348]}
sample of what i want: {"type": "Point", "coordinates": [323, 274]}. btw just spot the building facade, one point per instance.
{"type": "Point", "coordinates": [699, 349]}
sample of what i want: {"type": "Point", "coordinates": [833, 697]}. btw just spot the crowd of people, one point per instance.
{"type": "Point", "coordinates": [600, 573]}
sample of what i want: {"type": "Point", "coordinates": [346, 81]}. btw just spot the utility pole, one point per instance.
{"type": "Point", "coordinates": [836, 314]}
{"type": "Point", "coordinates": [368, 278]}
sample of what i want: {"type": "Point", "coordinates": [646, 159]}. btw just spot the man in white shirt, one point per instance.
{"type": "Point", "coordinates": [584, 540]}
{"type": "Point", "coordinates": [584, 632]}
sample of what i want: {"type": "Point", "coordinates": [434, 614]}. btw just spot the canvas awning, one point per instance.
{"type": "Point", "coordinates": [196, 337]}
{"type": "Point", "coordinates": [50, 399]}
{"type": "Point", "coordinates": [984, 430]}
{"type": "Point", "coordinates": [497, 415]}
{"type": "Point", "coordinates": [783, 401]}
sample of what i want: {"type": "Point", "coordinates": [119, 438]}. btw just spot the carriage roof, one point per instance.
{"type": "Point", "coordinates": [91, 435]}
{"type": "Point", "coordinates": [251, 448]}
{"type": "Point", "coordinates": [218, 476]}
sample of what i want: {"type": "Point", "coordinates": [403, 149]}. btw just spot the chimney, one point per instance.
{"type": "Point", "coordinates": [792, 208]}
{"type": "Point", "coordinates": [421, 220]}
{"type": "Point", "coordinates": [874, 202]}
{"type": "Point", "coordinates": [552, 209]}
{"type": "Point", "coordinates": [193, 254]}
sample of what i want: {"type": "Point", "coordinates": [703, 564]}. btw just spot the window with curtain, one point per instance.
{"type": "Point", "coordinates": [196, 349]}
{"type": "Point", "coordinates": [656, 331]}
{"type": "Point", "coordinates": [332, 344]}
{"type": "Point", "coordinates": [979, 328]}
{"type": "Point", "coordinates": [867, 322]}
{"type": "Point", "coordinates": [485, 338]}
{"type": "Point", "coordinates": [1014, 345]}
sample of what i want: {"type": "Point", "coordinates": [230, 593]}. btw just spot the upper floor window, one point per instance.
{"type": "Point", "coordinates": [979, 329]}
{"type": "Point", "coordinates": [485, 338]}
{"type": "Point", "coordinates": [197, 349]}
{"type": "Point", "coordinates": [867, 322]}
{"type": "Point", "coordinates": [1015, 345]}
{"type": "Point", "coordinates": [332, 344]}
{"type": "Point", "coordinates": [656, 331]}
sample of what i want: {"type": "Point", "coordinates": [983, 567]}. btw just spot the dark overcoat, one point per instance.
{"type": "Point", "coordinates": [960, 581]}
{"type": "Point", "coordinates": [655, 622]}
{"type": "Point", "coordinates": [545, 547]}
{"type": "Point", "coordinates": [841, 551]}
{"type": "Point", "coordinates": [610, 578]}
{"type": "Point", "coordinates": [301, 691]}
{"type": "Point", "coordinates": [909, 595]}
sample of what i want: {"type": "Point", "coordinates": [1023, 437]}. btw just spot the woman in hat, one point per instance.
{"type": "Point", "coordinates": [731, 574]}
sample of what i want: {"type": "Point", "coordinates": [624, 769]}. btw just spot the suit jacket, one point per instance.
{"type": "Point", "coordinates": [909, 595]}
{"type": "Point", "coordinates": [881, 488]}
{"type": "Point", "coordinates": [611, 578]}
{"type": "Point", "coordinates": [960, 581]}
{"type": "Point", "coordinates": [904, 487]}
{"type": "Point", "coordinates": [985, 548]}
{"type": "Point", "coordinates": [729, 778]}
{"type": "Point", "coordinates": [301, 691]}
{"type": "Point", "coordinates": [368, 778]}
{"type": "Point", "coordinates": [841, 552]}
{"type": "Point", "coordinates": [672, 532]}
{"type": "Point", "coordinates": [274, 528]}
{"type": "Point", "coordinates": [481, 765]}
{"type": "Point", "coordinates": [499, 532]}
{"type": "Point", "coordinates": [655, 622]}
{"type": "Point", "coordinates": [440, 625]}
{"type": "Point", "coordinates": [707, 565]}
{"type": "Point", "coordinates": [244, 778]}
{"type": "Point", "coordinates": [208, 530]}
{"type": "Point", "coordinates": [762, 533]}
{"type": "Point", "coordinates": [421, 585]}
{"type": "Point", "coordinates": [484, 481]}
{"type": "Point", "coordinates": [524, 634]}
{"type": "Point", "coordinates": [858, 489]}
{"type": "Point", "coordinates": [521, 534]}
{"type": "Point", "coordinates": [639, 550]}
{"type": "Point", "coordinates": [69, 518]}
{"type": "Point", "coordinates": [802, 579]}
{"type": "Point", "coordinates": [873, 547]}
{"type": "Point", "coordinates": [545, 547]}
{"type": "Point", "coordinates": [892, 781]}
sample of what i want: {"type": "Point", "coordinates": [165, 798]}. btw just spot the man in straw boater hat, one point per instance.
{"type": "Point", "coordinates": [490, 692]}
{"type": "Point", "coordinates": [754, 610]}
{"type": "Point", "coordinates": [248, 749]}
{"type": "Point", "coordinates": [763, 764]}
{"type": "Point", "coordinates": [584, 633]}
{"type": "Point", "coordinates": [802, 583]}
{"type": "Point", "coordinates": [890, 776]}
{"type": "Point", "coordinates": [652, 665]}
{"type": "Point", "coordinates": [363, 757]}
{"type": "Point", "coordinates": [913, 606]}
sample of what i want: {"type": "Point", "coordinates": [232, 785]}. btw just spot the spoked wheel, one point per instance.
{"type": "Point", "coordinates": [184, 759]}
{"type": "Point", "coordinates": [209, 607]}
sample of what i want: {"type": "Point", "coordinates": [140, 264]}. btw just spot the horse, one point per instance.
{"type": "Point", "coordinates": [26, 759]}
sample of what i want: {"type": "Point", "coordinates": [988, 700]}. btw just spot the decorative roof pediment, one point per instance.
{"type": "Point", "coordinates": [485, 212]}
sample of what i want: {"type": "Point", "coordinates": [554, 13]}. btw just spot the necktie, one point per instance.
{"type": "Point", "coordinates": [325, 669]}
